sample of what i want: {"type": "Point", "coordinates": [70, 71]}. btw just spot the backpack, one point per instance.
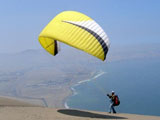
{"type": "Point", "coordinates": [116, 101]}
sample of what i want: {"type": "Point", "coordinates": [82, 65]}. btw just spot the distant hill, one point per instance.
{"type": "Point", "coordinates": [71, 57]}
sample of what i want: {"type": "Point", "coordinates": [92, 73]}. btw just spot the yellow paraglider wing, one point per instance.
{"type": "Point", "coordinates": [77, 30]}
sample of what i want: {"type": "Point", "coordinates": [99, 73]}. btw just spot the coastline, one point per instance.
{"type": "Point", "coordinates": [73, 90]}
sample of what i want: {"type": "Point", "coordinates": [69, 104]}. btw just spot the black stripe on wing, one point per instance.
{"type": "Point", "coordinates": [100, 40]}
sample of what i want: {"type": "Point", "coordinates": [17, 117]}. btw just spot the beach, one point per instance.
{"type": "Point", "coordinates": [72, 87]}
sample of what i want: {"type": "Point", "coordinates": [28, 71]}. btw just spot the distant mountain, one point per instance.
{"type": "Point", "coordinates": [126, 52]}
{"type": "Point", "coordinates": [71, 57]}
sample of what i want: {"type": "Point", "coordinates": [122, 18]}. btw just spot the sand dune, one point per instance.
{"type": "Point", "coordinates": [9, 101]}
{"type": "Point", "coordinates": [12, 109]}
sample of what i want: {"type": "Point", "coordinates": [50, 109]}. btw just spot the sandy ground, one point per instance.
{"type": "Point", "coordinates": [40, 113]}
{"type": "Point", "coordinates": [12, 109]}
{"type": "Point", "coordinates": [8, 101]}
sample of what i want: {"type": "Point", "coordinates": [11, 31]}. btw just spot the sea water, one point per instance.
{"type": "Point", "coordinates": [136, 82]}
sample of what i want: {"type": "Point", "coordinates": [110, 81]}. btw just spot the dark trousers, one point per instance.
{"type": "Point", "coordinates": [111, 108]}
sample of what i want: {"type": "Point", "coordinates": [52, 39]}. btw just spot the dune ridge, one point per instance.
{"type": "Point", "coordinates": [15, 109]}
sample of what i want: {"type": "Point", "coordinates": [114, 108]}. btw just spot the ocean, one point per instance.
{"type": "Point", "coordinates": [136, 82]}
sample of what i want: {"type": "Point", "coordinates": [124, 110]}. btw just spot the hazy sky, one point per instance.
{"type": "Point", "coordinates": [125, 21]}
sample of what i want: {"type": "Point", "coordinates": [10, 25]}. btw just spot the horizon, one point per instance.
{"type": "Point", "coordinates": [64, 46]}
{"type": "Point", "coordinates": [116, 53]}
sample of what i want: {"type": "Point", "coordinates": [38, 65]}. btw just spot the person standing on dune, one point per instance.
{"type": "Point", "coordinates": [114, 101]}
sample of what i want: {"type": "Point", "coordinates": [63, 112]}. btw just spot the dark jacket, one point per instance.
{"type": "Point", "coordinates": [112, 97]}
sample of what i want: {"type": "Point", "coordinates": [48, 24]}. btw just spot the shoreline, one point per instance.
{"type": "Point", "coordinates": [73, 90]}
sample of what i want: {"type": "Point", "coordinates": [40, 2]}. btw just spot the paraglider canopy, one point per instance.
{"type": "Point", "coordinates": [77, 30]}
